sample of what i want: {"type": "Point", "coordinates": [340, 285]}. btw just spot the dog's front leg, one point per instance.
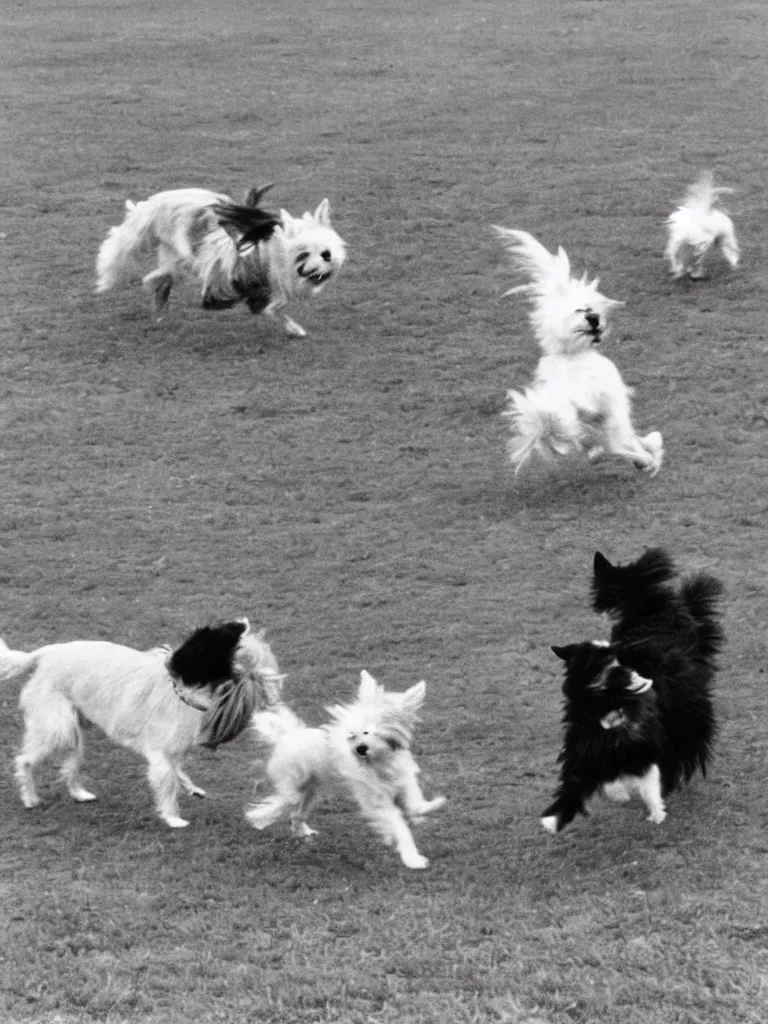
{"type": "Point", "coordinates": [648, 788]}
{"type": "Point", "coordinates": [188, 784]}
{"type": "Point", "coordinates": [413, 800]}
{"type": "Point", "coordinates": [389, 821]}
{"type": "Point", "coordinates": [275, 309]}
{"type": "Point", "coordinates": [164, 780]}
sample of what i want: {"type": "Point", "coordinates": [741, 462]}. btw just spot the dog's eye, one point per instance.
{"type": "Point", "coordinates": [326, 255]}
{"type": "Point", "coordinates": [393, 744]}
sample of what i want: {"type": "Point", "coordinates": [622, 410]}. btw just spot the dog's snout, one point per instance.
{"type": "Point", "coordinates": [593, 319]}
{"type": "Point", "coordinates": [361, 749]}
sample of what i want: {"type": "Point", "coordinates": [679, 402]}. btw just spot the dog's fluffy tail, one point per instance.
{"type": "Point", "coordinates": [701, 594]}
{"type": "Point", "coordinates": [613, 586]}
{"type": "Point", "coordinates": [702, 196]}
{"type": "Point", "coordinates": [118, 258]}
{"type": "Point", "coordinates": [270, 726]}
{"type": "Point", "coordinates": [15, 665]}
{"type": "Point", "coordinates": [538, 426]}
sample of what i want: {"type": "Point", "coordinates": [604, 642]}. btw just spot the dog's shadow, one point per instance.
{"type": "Point", "coordinates": [562, 495]}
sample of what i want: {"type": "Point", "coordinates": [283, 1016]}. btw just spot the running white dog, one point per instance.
{"type": "Point", "coordinates": [578, 401]}
{"type": "Point", "coordinates": [695, 226]}
{"type": "Point", "coordinates": [239, 253]}
{"type": "Point", "coordinates": [158, 703]}
{"type": "Point", "coordinates": [365, 747]}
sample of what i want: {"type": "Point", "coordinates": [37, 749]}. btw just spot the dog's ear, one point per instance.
{"type": "Point", "coordinates": [288, 223]}
{"type": "Point", "coordinates": [244, 621]}
{"type": "Point", "coordinates": [368, 687]}
{"type": "Point", "coordinates": [254, 195]}
{"type": "Point", "coordinates": [323, 214]}
{"type": "Point", "coordinates": [566, 653]}
{"type": "Point", "coordinates": [413, 698]}
{"type": "Point", "coordinates": [602, 567]}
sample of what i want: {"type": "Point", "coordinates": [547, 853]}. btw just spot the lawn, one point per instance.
{"type": "Point", "coordinates": [350, 493]}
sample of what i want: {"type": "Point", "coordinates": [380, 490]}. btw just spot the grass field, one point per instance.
{"type": "Point", "coordinates": [350, 493]}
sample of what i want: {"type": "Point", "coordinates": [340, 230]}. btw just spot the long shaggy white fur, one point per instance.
{"type": "Point", "coordinates": [139, 702]}
{"type": "Point", "coordinates": [365, 748]}
{"type": "Point", "coordinates": [578, 401]}
{"type": "Point", "coordinates": [238, 253]}
{"type": "Point", "coordinates": [697, 225]}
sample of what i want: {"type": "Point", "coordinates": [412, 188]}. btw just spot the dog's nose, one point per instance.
{"type": "Point", "coordinates": [361, 749]}
{"type": "Point", "coordinates": [593, 320]}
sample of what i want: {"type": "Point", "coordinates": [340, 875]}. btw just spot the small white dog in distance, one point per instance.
{"type": "Point", "coordinates": [578, 401]}
{"type": "Point", "coordinates": [697, 225]}
{"type": "Point", "coordinates": [159, 703]}
{"type": "Point", "coordinates": [238, 253]}
{"type": "Point", "coordinates": [365, 748]}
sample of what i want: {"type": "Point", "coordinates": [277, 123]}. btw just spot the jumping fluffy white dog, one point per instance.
{"type": "Point", "coordinates": [159, 703]}
{"type": "Point", "coordinates": [578, 401]}
{"type": "Point", "coordinates": [695, 226]}
{"type": "Point", "coordinates": [239, 253]}
{"type": "Point", "coordinates": [365, 747]}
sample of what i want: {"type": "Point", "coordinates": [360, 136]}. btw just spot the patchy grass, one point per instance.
{"type": "Point", "coordinates": [350, 493]}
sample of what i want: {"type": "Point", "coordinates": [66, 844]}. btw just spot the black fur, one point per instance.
{"type": "Point", "coordinates": [254, 224]}
{"type": "Point", "coordinates": [205, 658]}
{"type": "Point", "coordinates": [668, 633]}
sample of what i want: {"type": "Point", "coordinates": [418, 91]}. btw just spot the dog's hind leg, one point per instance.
{"type": "Point", "coordinates": [48, 728]}
{"type": "Point", "coordinates": [299, 812]}
{"type": "Point", "coordinates": [164, 780]}
{"type": "Point", "coordinates": [159, 283]}
{"type": "Point", "coordinates": [70, 772]}
{"type": "Point", "coordinates": [729, 247]}
{"type": "Point", "coordinates": [187, 783]}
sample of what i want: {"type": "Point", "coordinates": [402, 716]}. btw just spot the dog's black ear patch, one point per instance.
{"type": "Point", "coordinates": [602, 567]}
{"type": "Point", "coordinates": [251, 224]}
{"type": "Point", "coordinates": [205, 657]}
{"type": "Point", "coordinates": [614, 585]}
{"type": "Point", "coordinates": [566, 653]}
{"type": "Point", "coordinates": [254, 196]}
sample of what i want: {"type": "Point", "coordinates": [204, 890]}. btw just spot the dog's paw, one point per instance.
{"type": "Point", "coordinates": [657, 816]}
{"type": "Point", "coordinates": [81, 794]}
{"type": "Point", "coordinates": [303, 831]}
{"type": "Point", "coordinates": [415, 861]}
{"type": "Point", "coordinates": [174, 821]}
{"type": "Point", "coordinates": [292, 329]}
{"type": "Point", "coordinates": [550, 824]}
{"type": "Point", "coordinates": [427, 807]}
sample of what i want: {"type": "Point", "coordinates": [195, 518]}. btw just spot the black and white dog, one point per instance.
{"type": "Point", "coordinates": [639, 717]}
{"type": "Point", "coordinates": [238, 252]}
{"type": "Point", "coordinates": [159, 703]}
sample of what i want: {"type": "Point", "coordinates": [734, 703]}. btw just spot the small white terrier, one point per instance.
{"type": "Point", "coordinates": [365, 747]}
{"type": "Point", "coordinates": [239, 253]}
{"type": "Point", "coordinates": [158, 703]}
{"type": "Point", "coordinates": [578, 401]}
{"type": "Point", "coordinates": [695, 226]}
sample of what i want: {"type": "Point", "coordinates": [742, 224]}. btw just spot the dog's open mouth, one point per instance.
{"type": "Point", "coordinates": [315, 277]}
{"type": "Point", "coordinates": [595, 334]}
